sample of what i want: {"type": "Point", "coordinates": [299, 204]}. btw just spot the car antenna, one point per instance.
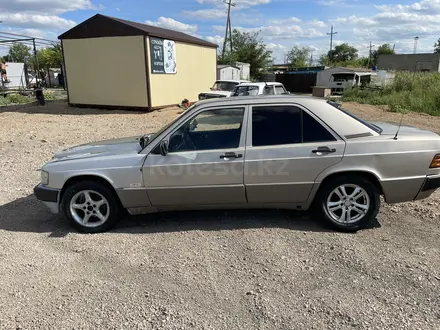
{"type": "Point", "coordinates": [400, 125]}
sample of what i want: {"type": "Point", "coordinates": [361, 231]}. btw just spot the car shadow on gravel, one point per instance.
{"type": "Point", "coordinates": [30, 215]}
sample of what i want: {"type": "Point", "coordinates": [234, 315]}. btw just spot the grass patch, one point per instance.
{"type": "Point", "coordinates": [14, 99]}
{"type": "Point", "coordinates": [418, 92]}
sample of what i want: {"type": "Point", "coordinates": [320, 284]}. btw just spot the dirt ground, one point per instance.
{"type": "Point", "coordinates": [202, 270]}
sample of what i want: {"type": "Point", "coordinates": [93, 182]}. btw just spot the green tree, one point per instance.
{"type": "Point", "coordinates": [343, 53]}
{"type": "Point", "coordinates": [51, 57]}
{"type": "Point", "coordinates": [437, 46]}
{"type": "Point", "coordinates": [19, 52]}
{"type": "Point", "coordinates": [384, 49]}
{"type": "Point", "coordinates": [299, 57]}
{"type": "Point", "coordinates": [356, 63]}
{"type": "Point", "coordinates": [324, 60]}
{"type": "Point", "coordinates": [248, 48]}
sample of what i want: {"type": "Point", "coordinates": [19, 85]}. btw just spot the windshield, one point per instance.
{"type": "Point", "coordinates": [340, 77]}
{"type": "Point", "coordinates": [227, 86]}
{"type": "Point", "coordinates": [246, 91]}
{"type": "Point", "coordinates": [371, 126]}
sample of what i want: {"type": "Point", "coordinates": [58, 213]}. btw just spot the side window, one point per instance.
{"type": "Point", "coordinates": [280, 90]}
{"type": "Point", "coordinates": [268, 90]}
{"type": "Point", "coordinates": [209, 130]}
{"type": "Point", "coordinates": [313, 131]}
{"type": "Point", "coordinates": [276, 125]}
{"type": "Point", "coordinates": [281, 125]}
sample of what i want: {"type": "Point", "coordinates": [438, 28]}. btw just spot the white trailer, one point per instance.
{"type": "Point", "coordinates": [16, 76]}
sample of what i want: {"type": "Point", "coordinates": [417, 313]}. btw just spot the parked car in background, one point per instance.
{"type": "Point", "coordinates": [341, 81]}
{"type": "Point", "coordinates": [286, 152]}
{"type": "Point", "coordinates": [260, 88]}
{"type": "Point", "coordinates": [221, 88]}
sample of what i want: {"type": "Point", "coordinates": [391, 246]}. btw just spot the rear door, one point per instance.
{"type": "Point", "coordinates": [287, 148]}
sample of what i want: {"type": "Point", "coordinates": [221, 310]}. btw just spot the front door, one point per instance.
{"type": "Point", "coordinates": [205, 162]}
{"type": "Point", "coordinates": [287, 148]}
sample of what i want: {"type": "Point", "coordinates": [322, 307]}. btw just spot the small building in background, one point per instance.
{"type": "Point", "coordinates": [245, 70]}
{"type": "Point", "coordinates": [429, 62]}
{"type": "Point", "coordinates": [114, 63]}
{"type": "Point", "coordinates": [228, 72]}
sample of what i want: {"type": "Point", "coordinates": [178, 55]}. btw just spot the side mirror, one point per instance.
{"type": "Point", "coordinates": [163, 148]}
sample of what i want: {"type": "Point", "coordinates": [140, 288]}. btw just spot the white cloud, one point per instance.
{"type": "Point", "coordinates": [425, 6]}
{"type": "Point", "coordinates": [285, 21]}
{"type": "Point", "coordinates": [172, 24]}
{"type": "Point", "coordinates": [206, 14]}
{"type": "Point", "coordinates": [36, 21]}
{"type": "Point", "coordinates": [317, 23]}
{"type": "Point", "coordinates": [239, 3]}
{"type": "Point", "coordinates": [46, 6]}
{"type": "Point", "coordinates": [218, 40]}
{"type": "Point", "coordinates": [279, 31]}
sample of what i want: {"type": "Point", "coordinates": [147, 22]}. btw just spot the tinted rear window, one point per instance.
{"type": "Point", "coordinates": [276, 126]}
{"type": "Point", "coordinates": [313, 131]}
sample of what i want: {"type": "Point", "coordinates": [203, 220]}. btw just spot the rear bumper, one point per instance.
{"type": "Point", "coordinates": [431, 184]}
{"type": "Point", "coordinates": [48, 196]}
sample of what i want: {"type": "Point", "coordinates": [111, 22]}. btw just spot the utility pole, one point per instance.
{"type": "Point", "coordinates": [311, 58]}
{"type": "Point", "coordinates": [331, 34]}
{"type": "Point", "coordinates": [37, 69]}
{"type": "Point", "coordinates": [228, 27]}
{"type": "Point", "coordinates": [369, 58]}
{"type": "Point", "coordinates": [416, 41]}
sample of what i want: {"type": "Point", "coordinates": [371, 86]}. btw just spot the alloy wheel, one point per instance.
{"type": "Point", "coordinates": [348, 204]}
{"type": "Point", "coordinates": [89, 208]}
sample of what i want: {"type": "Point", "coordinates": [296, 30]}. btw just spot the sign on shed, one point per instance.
{"type": "Point", "coordinates": [163, 56]}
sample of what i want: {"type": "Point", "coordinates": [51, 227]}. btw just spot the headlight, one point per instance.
{"type": "Point", "coordinates": [44, 177]}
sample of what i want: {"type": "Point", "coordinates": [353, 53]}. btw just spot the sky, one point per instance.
{"type": "Point", "coordinates": [281, 23]}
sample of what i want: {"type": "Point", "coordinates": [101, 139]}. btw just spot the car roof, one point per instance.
{"type": "Point", "coordinates": [342, 123]}
{"type": "Point", "coordinates": [233, 81]}
{"type": "Point", "coordinates": [262, 84]}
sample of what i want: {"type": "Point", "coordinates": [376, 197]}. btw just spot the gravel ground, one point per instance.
{"type": "Point", "coordinates": [202, 270]}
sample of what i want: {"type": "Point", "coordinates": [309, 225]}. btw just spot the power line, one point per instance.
{"type": "Point", "coordinates": [331, 34]}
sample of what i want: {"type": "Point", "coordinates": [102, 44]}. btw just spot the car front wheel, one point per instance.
{"type": "Point", "coordinates": [90, 207]}
{"type": "Point", "coordinates": [348, 204]}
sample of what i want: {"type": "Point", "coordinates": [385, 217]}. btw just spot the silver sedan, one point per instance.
{"type": "Point", "coordinates": [285, 152]}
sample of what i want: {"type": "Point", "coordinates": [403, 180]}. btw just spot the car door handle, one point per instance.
{"type": "Point", "coordinates": [233, 155]}
{"type": "Point", "coordinates": [324, 150]}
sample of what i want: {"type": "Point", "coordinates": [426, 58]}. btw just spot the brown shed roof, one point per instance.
{"type": "Point", "coordinates": [106, 26]}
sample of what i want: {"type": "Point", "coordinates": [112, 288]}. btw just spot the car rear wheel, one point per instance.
{"type": "Point", "coordinates": [348, 204]}
{"type": "Point", "coordinates": [90, 207]}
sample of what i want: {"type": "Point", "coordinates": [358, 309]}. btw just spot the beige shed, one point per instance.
{"type": "Point", "coordinates": [114, 63]}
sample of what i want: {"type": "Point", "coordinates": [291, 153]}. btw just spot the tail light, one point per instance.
{"type": "Point", "coordinates": [435, 162]}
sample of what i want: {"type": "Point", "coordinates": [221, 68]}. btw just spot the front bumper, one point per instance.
{"type": "Point", "coordinates": [48, 196]}
{"type": "Point", "coordinates": [431, 184]}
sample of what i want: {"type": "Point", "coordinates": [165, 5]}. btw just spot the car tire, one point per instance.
{"type": "Point", "coordinates": [339, 211]}
{"type": "Point", "coordinates": [91, 207]}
